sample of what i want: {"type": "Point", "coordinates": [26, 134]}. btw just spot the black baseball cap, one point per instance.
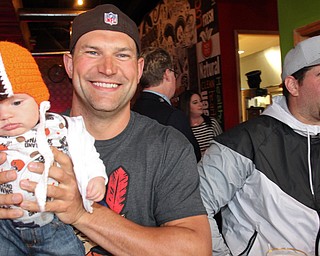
{"type": "Point", "coordinates": [104, 17]}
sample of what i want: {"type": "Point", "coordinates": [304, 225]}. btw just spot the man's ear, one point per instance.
{"type": "Point", "coordinates": [140, 68]}
{"type": "Point", "coordinates": [292, 85]}
{"type": "Point", "coordinates": [68, 65]}
{"type": "Point", "coordinates": [167, 76]}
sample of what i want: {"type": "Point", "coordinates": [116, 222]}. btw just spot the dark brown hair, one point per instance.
{"type": "Point", "coordinates": [299, 76]}
{"type": "Point", "coordinates": [184, 104]}
{"type": "Point", "coordinates": [156, 62]}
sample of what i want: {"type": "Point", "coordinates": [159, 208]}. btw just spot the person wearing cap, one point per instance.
{"type": "Point", "coordinates": [152, 204]}
{"type": "Point", "coordinates": [264, 173]}
{"type": "Point", "coordinates": [26, 131]}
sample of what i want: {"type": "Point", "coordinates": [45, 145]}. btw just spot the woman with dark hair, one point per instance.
{"type": "Point", "coordinates": [204, 128]}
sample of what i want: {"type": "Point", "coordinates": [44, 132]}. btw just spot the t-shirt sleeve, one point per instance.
{"type": "Point", "coordinates": [178, 194]}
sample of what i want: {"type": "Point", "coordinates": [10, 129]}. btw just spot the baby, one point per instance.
{"type": "Point", "coordinates": [26, 134]}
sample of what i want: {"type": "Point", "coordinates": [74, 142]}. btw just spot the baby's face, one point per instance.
{"type": "Point", "coordinates": [18, 114]}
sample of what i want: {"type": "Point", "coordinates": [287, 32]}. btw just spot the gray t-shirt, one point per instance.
{"type": "Point", "coordinates": [152, 171]}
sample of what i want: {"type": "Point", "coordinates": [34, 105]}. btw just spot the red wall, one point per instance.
{"type": "Point", "coordinates": [242, 15]}
{"type": "Point", "coordinates": [61, 89]}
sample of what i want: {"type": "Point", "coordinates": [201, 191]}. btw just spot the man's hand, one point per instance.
{"type": "Point", "coordinates": [67, 203]}
{"type": "Point", "coordinates": [10, 199]}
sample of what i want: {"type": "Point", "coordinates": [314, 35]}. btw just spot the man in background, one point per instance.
{"type": "Point", "coordinates": [264, 174]}
{"type": "Point", "coordinates": [158, 84]}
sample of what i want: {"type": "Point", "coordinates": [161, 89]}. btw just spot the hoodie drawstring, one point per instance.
{"type": "Point", "coordinates": [309, 163]}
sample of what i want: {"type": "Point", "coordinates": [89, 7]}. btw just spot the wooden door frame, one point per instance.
{"type": "Point", "coordinates": [304, 32]}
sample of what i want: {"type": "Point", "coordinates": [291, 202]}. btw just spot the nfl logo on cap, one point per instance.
{"type": "Point", "coordinates": [103, 17]}
{"type": "Point", "coordinates": [111, 18]}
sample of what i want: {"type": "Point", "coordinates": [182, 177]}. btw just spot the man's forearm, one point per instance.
{"type": "Point", "coordinates": [120, 236]}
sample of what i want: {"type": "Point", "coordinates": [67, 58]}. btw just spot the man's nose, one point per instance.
{"type": "Point", "coordinates": [107, 66]}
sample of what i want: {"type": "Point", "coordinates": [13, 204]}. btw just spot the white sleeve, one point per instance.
{"type": "Point", "coordinates": [86, 161]}
{"type": "Point", "coordinates": [220, 179]}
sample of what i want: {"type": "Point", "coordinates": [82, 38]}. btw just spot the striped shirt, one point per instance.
{"type": "Point", "coordinates": [204, 133]}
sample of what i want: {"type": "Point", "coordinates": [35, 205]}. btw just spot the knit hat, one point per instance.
{"type": "Point", "coordinates": [304, 54]}
{"type": "Point", "coordinates": [104, 17]}
{"type": "Point", "coordinates": [19, 73]}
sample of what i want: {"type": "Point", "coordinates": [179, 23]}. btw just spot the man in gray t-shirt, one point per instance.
{"type": "Point", "coordinates": [154, 206]}
{"type": "Point", "coordinates": [153, 171]}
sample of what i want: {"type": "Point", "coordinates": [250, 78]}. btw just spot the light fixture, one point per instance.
{"type": "Point", "coordinates": [79, 2]}
{"type": "Point", "coordinates": [240, 52]}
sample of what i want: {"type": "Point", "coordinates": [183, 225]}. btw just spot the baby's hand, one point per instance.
{"type": "Point", "coordinates": [96, 189]}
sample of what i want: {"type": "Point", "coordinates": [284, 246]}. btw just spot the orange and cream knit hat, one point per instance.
{"type": "Point", "coordinates": [19, 73]}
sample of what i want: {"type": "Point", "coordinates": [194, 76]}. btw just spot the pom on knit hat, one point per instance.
{"type": "Point", "coordinates": [19, 73]}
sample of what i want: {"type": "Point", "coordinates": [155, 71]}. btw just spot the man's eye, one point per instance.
{"type": "Point", "coordinates": [123, 56]}
{"type": "Point", "coordinates": [92, 52]}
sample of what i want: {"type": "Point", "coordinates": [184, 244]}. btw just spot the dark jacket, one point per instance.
{"type": "Point", "coordinates": [155, 107]}
{"type": "Point", "coordinates": [258, 174]}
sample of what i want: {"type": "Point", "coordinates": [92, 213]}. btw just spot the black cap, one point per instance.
{"type": "Point", "coordinates": [104, 17]}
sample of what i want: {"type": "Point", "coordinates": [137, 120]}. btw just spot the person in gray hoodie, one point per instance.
{"type": "Point", "coordinates": [264, 174]}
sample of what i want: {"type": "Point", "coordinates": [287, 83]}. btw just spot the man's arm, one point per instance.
{"type": "Point", "coordinates": [222, 173]}
{"type": "Point", "coordinates": [188, 236]}
{"type": "Point", "coordinates": [119, 236]}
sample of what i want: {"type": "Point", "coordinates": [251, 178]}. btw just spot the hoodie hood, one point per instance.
{"type": "Point", "coordinates": [279, 110]}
